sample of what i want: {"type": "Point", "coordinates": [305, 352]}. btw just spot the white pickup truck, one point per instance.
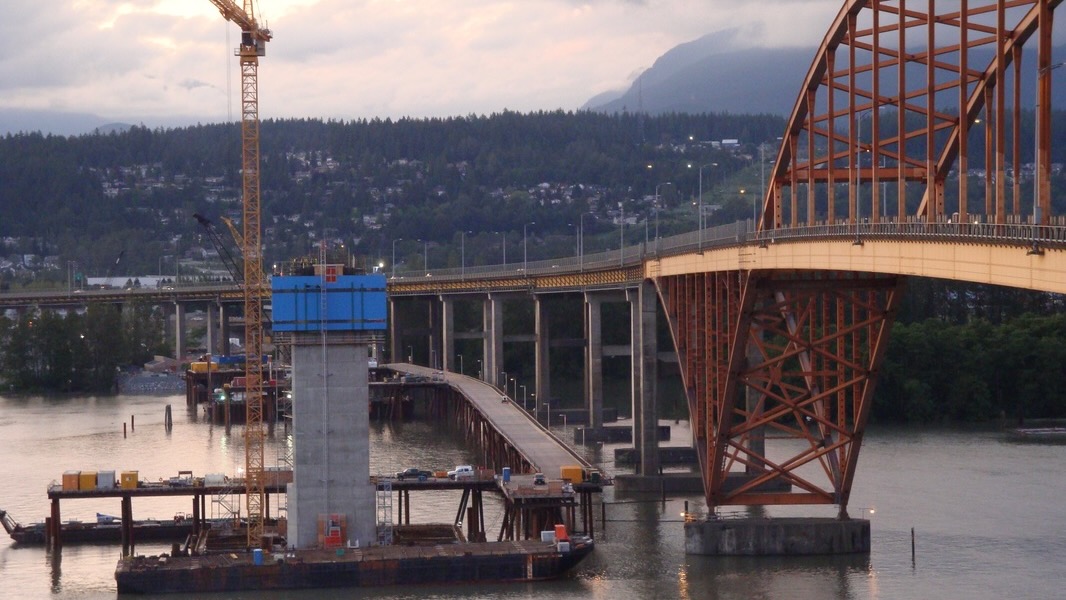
{"type": "Point", "coordinates": [461, 472]}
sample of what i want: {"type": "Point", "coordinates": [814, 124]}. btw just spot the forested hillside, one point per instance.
{"type": "Point", "coordinates": [445, 190]}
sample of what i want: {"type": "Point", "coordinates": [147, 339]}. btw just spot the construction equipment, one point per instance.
{"type": "Point", "coordinates": [253, 45]}
{"type": "Point", "coordinates": [235, 271]}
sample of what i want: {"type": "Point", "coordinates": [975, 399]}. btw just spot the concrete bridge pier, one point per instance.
{"type": "Point", "coordinates": [644, 316]}
{"type": "Point", "coordinates": [542, 341]}
{"type": "Point", "coordinates": [492, 354]}
{"type": "Point", "coordinates": [212, 320]}
{"type": "Point", "coordinates": [447, 337]}
{"type": "Point", "coordinates": [777, 537]}
{"type": "Point", "coordinates": [179, 330]}
{"type": "Point", "coordinates": [224, 315]}
{"type": "Point", "coordinates": [594, 360]}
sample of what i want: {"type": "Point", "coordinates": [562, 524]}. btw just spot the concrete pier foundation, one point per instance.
{"type": "Point", "coordinates": [782, 536]}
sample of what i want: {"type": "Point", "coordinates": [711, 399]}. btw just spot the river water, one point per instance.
{"type": "Point", "coordinates": [988, 515]}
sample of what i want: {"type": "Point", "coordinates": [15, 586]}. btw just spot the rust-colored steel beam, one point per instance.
{"type": "Point", "coordinates": [793, 353]}
{"type": "Point", "coordinates": [895, 92]}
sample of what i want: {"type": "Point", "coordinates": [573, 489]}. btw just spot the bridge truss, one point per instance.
{"type": "Point", "coordinates": [779, 367]}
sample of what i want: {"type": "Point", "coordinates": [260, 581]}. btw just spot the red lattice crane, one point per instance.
{"type": "Point", "coordinates": [253, 45]}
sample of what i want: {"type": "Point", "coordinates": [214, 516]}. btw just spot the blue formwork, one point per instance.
{"type": "Point", "coordinates": [352, 303]}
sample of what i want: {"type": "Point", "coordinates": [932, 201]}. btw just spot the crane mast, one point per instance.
{"type": "Point", "coordinates": [253, 45]}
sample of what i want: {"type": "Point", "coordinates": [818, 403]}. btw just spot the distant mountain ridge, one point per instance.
{"type": "Point", "coordinates": [710, 75]}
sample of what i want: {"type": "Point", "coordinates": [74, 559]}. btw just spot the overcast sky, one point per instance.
{"type": "Point", "coordinates": [166, 61]}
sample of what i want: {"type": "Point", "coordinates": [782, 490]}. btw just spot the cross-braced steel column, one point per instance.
{"type": "Point", "coordinates": [817, 342]}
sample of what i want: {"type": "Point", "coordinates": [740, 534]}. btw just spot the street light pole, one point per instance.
{"type": "Point", "coordinates": [394, 256]}
{"type": "Point", "coordinates": [462, 254]}
{"type": "Point", "coordinates": [425, 257]}
{"type": "Point", "coordinates": [525, 254]}
{"type": "Point", "coordinates": [461, 365]}
{"type": "Point", "coordinates": [524, 407]}
{"type": "Point", "coordinates": [657, 186]}
{"type": "Point", "coordinates": [581, 242]}
{"type": "Point", "coordinates": [700, 244]}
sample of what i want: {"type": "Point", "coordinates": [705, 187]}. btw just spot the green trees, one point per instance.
{"type": "Point", "coordinates": [937, 371]}
{"type": "Point", "coordinates": [75, 352]}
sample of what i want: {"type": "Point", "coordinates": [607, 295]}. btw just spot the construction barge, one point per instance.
{"type": "Point", "coordinates": [480, 562]}
{"type": "Point", "coordinates": [106, 529]}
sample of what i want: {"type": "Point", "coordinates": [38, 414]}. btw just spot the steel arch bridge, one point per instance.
{"type": "Point", "coordinates": [880, 137]}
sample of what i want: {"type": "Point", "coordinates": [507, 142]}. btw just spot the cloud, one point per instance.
{"type": "Point", "coordinates": [168, 60]}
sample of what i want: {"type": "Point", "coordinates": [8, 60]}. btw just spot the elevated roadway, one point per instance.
{"type": "Point", "coordinates": [537, 444]}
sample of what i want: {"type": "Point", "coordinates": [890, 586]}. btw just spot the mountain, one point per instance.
{"type": "Point", "coordinates": [710, 75]}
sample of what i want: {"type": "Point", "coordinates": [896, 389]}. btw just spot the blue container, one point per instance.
{"type": "Point", "coordinates": [506, 474]}
{"type": "Point", "coordinates": [257, 557]}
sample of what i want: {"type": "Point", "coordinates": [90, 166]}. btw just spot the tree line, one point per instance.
{"type": "Point", "coordinates": [49, 351]}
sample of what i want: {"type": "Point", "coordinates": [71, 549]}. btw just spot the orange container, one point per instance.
{"type": "Point", "coordinates": [71, 481]}
{"type": "Point", "coordinates": [560, 533]}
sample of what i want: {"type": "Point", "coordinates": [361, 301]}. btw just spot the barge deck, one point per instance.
{"type": "Point", "coordinates": [510, 561]}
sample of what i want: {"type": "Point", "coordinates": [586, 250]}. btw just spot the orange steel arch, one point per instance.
{"type": "Point", "coordinates": [880, 110]}
{"type": "Point", "coordinates": [779, 365]}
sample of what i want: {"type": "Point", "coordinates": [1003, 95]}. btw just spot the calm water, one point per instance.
{"type": "Point", "coordinates": [989, 517]}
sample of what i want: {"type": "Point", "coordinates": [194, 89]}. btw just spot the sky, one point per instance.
{"type": "Point", "coordinates": [170, 62]}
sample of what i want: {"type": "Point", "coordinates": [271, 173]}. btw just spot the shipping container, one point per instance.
{"type": "Point", "coordinates": [105, 480]}
{"type": "Point", "coordinates": [129, 480]}
{"type": "Point", "coordinates": [87, 481]}
{"type": "Point", "coordinates": [571, 473]}
{"type": "Point", "coordinates": [71, 480]}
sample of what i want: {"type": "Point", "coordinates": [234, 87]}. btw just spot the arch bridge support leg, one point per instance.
{"type": "Point", "coordinates": [792, 357]}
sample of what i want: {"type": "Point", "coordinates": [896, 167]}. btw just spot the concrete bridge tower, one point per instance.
{"type": "Point", "coordinates": [331, 320]}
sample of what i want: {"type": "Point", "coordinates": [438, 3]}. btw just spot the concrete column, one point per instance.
{"type": "Point", "coordinates": [331, 462]}
{"type": "Point", "coordinates": [646, 368]}
{"type": "Point", "coordinates": [542, 376]}
{"type": "Point", "coordinates": [179, 330]}
{"type": "Point", "coordinates": [447, 333]}
{"type": "Point", "coordinates": [433, 349]}
{"type": "Point", "coordinates": [223, 329]}
{"type": "Point", "coordinates": [493, 319]}
{"type": "Point", "coordinates": [212, 335]}
{"type": "Point", "coordinates": [395, 353]}
{"type": "Point", "coordinates": [593, 361]}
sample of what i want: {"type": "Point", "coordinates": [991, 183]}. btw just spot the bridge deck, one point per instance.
{"type": "Point", "coordinates": [539, 445]}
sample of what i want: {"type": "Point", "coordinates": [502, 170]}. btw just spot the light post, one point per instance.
{"type": "Point", "coordinates": [1038, 134]}
{"type": "Point", "coordinates": [524, 407]}
{"type": "Point", "coordinates": [700, 244]}
{"type": "Point", "coordinates": [480, 374]}
{"type": "Point", "coordinates": [525, 254]}
{"type": "Point", "coordinates": [503, 245]}
{"type": "Point", "coordinates": [461, 365]}
{"type": "Point", "coordinates": [70, 276]}
{"type": "Point", "coordinates": [411, 354]}
{"type": "Point", "coordinates": [514, 384]}
{"type": "Point", "coordinates": [425, 257]}
{"type": "Point", "coordinates": [548, 405]}
{"type": "Point", "coordinates": [462, 254]}
{"type": "Point", "coordinates": [564, 421]}
{"type": "Point", "coordinates": [621, 232]}
{"type": "Point", "coordinates": [657, 186]}
{"type": "Point", "coordinates": [394, 256]}
{"type": "Point", "coordinates": [504, 373]}
{"type": "Point", "coordinates": [858, 170]}
{"type": "Point", "coordinates": [581, 241]}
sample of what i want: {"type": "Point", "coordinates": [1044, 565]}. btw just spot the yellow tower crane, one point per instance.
{"type": "Point", "coordinates": [253, 45]}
